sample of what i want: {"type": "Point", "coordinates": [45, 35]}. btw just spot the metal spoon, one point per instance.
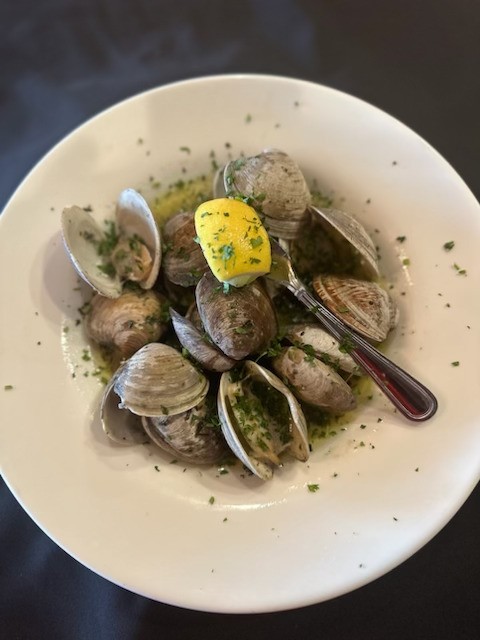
{"type": "Point", "coordinates": [410, 397]}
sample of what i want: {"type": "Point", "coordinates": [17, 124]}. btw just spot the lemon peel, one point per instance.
{"type": "Point", "coordinates": [233, 240]}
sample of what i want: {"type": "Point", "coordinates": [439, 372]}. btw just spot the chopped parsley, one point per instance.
{"type": "Point", "coordinates": [256, 242]}
{"type": "Point", "coordinates": [309, 352]}
{"type": "Point", "coordinates": [227, 252]}
{"type": "Point", "coordinates": [245, 328]}
{"type": "Point", "coordinates": [110, 239]}
{"type": "Point", "coordinates": [448, 246]}
{"type": "Point", "coordinates": [459, 270]}
{"type": "Point", "coordinates": [346, 345]}
{"type": "Point", "coordinates": [313, 487]}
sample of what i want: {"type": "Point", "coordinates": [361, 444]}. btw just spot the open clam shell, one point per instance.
{"type": "Point", "coordinates": [277, 188]}
{"type": "Point", "coordinates": [83, 237]}
{"type": "Point", "coordinates": [135, 219]}
{"type": "Point", "coordinates": [159, 381]}
{"type": "Point", "coordinates": [355, 234]}
{"type": "Point", "coordinates": [119, 425]}
{"type": "Point", "coordinates": [260, 419]}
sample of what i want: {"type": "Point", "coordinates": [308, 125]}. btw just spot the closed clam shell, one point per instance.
{"type": "Point", "coordinates": [194, 317]}
{"type": "Point", "coordinates": [183, 260]}
{"type": "Point", "coordinates": [363, 306]}
{"type": "Point", "coordinates": [198, 345]}
{"type": "Point", "coordinates": [277, 187]}
{"type": "Point", "coordinates": [313, 382]}
{"type": "Point", "coordinates": [129, 322]}
{"type": "Point", "coordinates": [189, 436]}
{"type": "Point", "coordinates": [159, 381]}
{"type": "Point", "coordinates": [257, 428]}
{"type": "Point", "coordinates": [324, 346]}
{"type": "Point", "coordinates": [239, 322]}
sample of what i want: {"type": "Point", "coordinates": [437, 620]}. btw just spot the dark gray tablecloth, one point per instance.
{"type": "Point", "coordinates": [62, 61]}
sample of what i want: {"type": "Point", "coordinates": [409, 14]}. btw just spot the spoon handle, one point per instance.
{"type": "Point", "coordinates": [410, 397]}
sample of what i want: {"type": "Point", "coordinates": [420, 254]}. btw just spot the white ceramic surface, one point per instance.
{"type": "Point", "coordinates": [259, 546]}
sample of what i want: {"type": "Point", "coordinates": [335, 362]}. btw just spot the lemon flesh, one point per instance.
{"type": "Point", "coordinates": [233, 240]}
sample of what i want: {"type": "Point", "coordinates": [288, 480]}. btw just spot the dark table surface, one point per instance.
{"type": "Point", "coordinates": [62, 61]}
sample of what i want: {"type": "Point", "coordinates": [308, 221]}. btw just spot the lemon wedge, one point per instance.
{"type": "Point", "coordinates": [233, 240]}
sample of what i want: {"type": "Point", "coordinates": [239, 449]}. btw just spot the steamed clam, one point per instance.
{"type": "Point", "coordinates": [183, 260]}
{"type": "Point", "coordinates": [240, 322]}
{"type": "Point", "coordinates": [159, 381]}
{"type": "Point", "coordinates": [198, 345]}
{"type": "Point", "coordinates": [260, 419]}
{"type": "Point", "coordinates": [161, 395]}
{"type": "Point", "coordinates": [275, 185]}
{"type": "Point", "coordinates": [129, 322]}
{"type": "Point", "coordinates": [192, 435]}
{"type": "Point", "coordinates": [129, 248]}
{"type": "Point", "coordinates": [313, 381]}
{"type": "Point", "coordinates": [362, 305]}
{"type": "Point", "coordinates": [315, 340]}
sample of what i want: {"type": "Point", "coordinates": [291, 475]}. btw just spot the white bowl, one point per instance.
{"type": "Point", "coordinates": [150, 526]}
